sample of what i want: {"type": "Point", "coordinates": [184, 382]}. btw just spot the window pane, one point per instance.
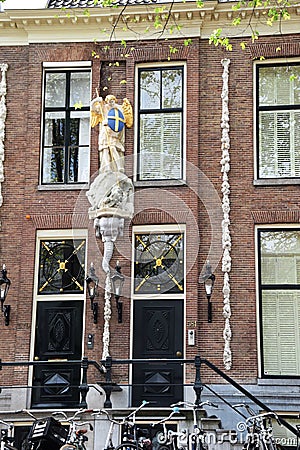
{"type": "Point", "coordinates": [279, 139]}
{"type": "Point", "coordinates": [172, 88]}
{"type": "Point", "coordinates": [55, 95]}
{"type": "Point", "coordinates": [160, 146]}
{"type": "Point", "coordinates": [80, 88]}
{"type": "Point", "coordinates": [281, 324]}
{"type": "Point", "coordinates": [53, 165]}
{"type": "Point", "coordinates": [80, 133]}
{"type": "Point", "coordinates": [78, 164]}
{"type": "Point", "coordinates": [279, 85]}
{"type": "Point", "coordinates": [280, 257]}
{"type": "Point", "coordinates": [54, 133]}
{"type": "Point", "coordinates": [150, 89]}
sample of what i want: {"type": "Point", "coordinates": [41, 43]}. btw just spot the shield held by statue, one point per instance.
{"type": "Point", "coordinates": [115, 120]}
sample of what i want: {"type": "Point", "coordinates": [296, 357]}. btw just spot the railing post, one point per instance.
{"type": "Point", "coordinates": [107, 386]}
{"type": "Point", "coordinates": [84, 388]}
{"type": "Point", "coordinates": [198, 386]}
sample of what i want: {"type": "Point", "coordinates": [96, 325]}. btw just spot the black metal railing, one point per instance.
{"type": "Point", "coordinates": [108, 385]}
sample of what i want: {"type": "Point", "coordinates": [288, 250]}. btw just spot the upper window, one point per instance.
{"type": "Point", "coordinates": [66, 130]}
{"type": "Point", "coordinates": [278, 100]}
{"type": "Point", "coordinates": [160, 123]}
{"type": "Point", "coordinates": [280, 301]}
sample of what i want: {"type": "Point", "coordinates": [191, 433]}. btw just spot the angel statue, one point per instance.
{"type": "Point", "coordinates": [113, 118]}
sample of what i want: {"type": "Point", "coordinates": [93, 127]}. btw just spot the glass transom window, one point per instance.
{"type": "Point", "coordinates": [280, 301]}
{"type": "Point", "coordinates": [159, 263]}
{"type": "Point", "coordinates": [61, 266]}
{"type": "Point", "coordinates": [160, 123]}
{"type": "Point", "coordinates": [278, 100]}
{"type": "Point", "coordinates": [66, 130]}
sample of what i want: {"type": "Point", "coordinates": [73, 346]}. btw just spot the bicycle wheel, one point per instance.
{"type": "Point", "coordinates": [127, 446]}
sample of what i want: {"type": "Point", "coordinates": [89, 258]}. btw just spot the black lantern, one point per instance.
{"type": "Point", "coordinates": [4, 288]}
{"type": "Point", "coordinates": [209, 280]}
{"type": "Point", "coordinates": [92, 286]}
{"type": "Point", "coordinates": [117, 280]}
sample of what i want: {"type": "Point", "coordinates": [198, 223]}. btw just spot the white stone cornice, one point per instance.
{"type": "Point", "coordinates": [22, 27]}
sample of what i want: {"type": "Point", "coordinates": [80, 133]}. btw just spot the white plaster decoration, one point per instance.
{"type": "Point", "coordinates": [226, 237]}
{"type": "Point", "coordinates": [3, 68]}
{"type": "Point", "coordinates": [107, 317]}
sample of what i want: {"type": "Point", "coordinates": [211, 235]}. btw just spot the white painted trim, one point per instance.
{"type": "Point", "coordinates": [67, 64]}
{"type": "Point", "coordinates": [270, 227]}
{"type": "Point", "coordinates": [53, 234]}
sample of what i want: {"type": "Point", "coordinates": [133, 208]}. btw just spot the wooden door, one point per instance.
{"type": "Point", "coordinates": [58, 339]}
{"type": "Point", "coordinates": [157, 334]}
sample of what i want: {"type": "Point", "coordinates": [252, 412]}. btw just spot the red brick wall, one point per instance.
{"type": "Point", "coordinates": [55, 209]}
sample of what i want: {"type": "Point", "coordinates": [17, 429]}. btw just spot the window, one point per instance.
{"type": "Point", "coordinates": [280, 301]}
{"type": "Point", "coordinates": [66, 131]}
{"type": "Point", "coordinates": [160, 123]}
{"type": "Point", "coordinates": [278, 100]}
{"type": "Point", "coordinates": [159, 263]}
{"type": "Point", "coordinates": [61, 266]}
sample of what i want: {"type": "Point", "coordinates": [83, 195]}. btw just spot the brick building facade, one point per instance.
{"type": "Point", "coordinates": [179, 198]}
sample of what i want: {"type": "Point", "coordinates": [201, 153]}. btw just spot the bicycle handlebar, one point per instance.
{"type": "Point", "coordinates": [261, 416]}
{"type": "Point", "coordinates": [194, 405]}
{"type": "Point", "coordinates": [175, 411]}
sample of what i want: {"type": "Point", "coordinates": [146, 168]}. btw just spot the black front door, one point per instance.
{"type": "Point", "coordinates": [157, 334]}
{"type": "Point", "coordinates": [58, 340]}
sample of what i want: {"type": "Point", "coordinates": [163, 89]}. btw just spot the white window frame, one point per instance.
{"type": "Point", "coordinates": [259, 317]}
{"type": "Point", "coordinates": [257, 179]}
{"type": "Point", "coordinates": [61, 67]}
{"type": "Point", "coordinates": [57, 235]}
{"type": "Point", "coordinates": [136, 121]}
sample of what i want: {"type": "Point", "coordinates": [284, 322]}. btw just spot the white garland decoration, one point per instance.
{"type": "Point", "coordinates": [3, 68]}
{"type": "Point", "coordinates": [107, 316]}
{"type": "Point", "coordinates": [226, 238]}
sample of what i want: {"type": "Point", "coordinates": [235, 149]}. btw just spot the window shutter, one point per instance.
{"type": "Point", "coordinates": [281, 319]}
{"type": "Point", "coordinates": [267, 161]}
{"type": "Point", "coordinates": [160, 146]}
{"type": "Point", "coordinates": [270, 336]}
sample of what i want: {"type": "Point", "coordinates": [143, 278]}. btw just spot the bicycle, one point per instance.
{"type": "Point", "coordinates": [196, 439]}
{"type": "Point", "coordinates": [76, 437]}
{"type": "Point", "coordinates": [168, 437]}
{"type": "Point", "coordinates": [46, 433]}
{"type": "Point", "coordinates": [259, 430]}
{"type": "Point", "coordinates": [132, 437]}
{"type": "Point", "coordinates": [6, 436]}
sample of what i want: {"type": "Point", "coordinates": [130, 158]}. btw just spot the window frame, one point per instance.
{"type": "Point", "coordinates": [67, 110]}
{"type": "Point", "coordinates": [138, 112]}
{"type": "Point", "coordinates": [276, 179]}
{"type": "Point", "coordinates": [270, 287]}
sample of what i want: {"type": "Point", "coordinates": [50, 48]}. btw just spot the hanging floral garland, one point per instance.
{"type": "Point", "coordinates": [226, 238]}
{"type": "Point", "coordinates": [3, 68]}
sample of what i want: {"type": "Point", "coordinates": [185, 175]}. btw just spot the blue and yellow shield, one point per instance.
{"type": "Point", "coordinates": [115, 120]}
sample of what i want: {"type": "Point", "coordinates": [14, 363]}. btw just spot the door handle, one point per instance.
{"type": "Point", "coordinates": [36, 358]}
{"type": "Point", "coordinates": [178, 354]}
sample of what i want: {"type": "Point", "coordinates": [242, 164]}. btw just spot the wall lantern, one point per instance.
{"type": "Point", "coordinates": [92, 286]}
{"type": "Point", "coordinates": [117, 280]}
{"type": "Point", "coordinates": [4, 288]}
{"type": "Point", "coordinates": [209, 281]}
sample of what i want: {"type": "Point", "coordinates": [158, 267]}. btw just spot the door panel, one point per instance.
{"type": "Point", "coordinates": [157, 334]}
{"type": "Point", "coordinates": [58, 339]}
